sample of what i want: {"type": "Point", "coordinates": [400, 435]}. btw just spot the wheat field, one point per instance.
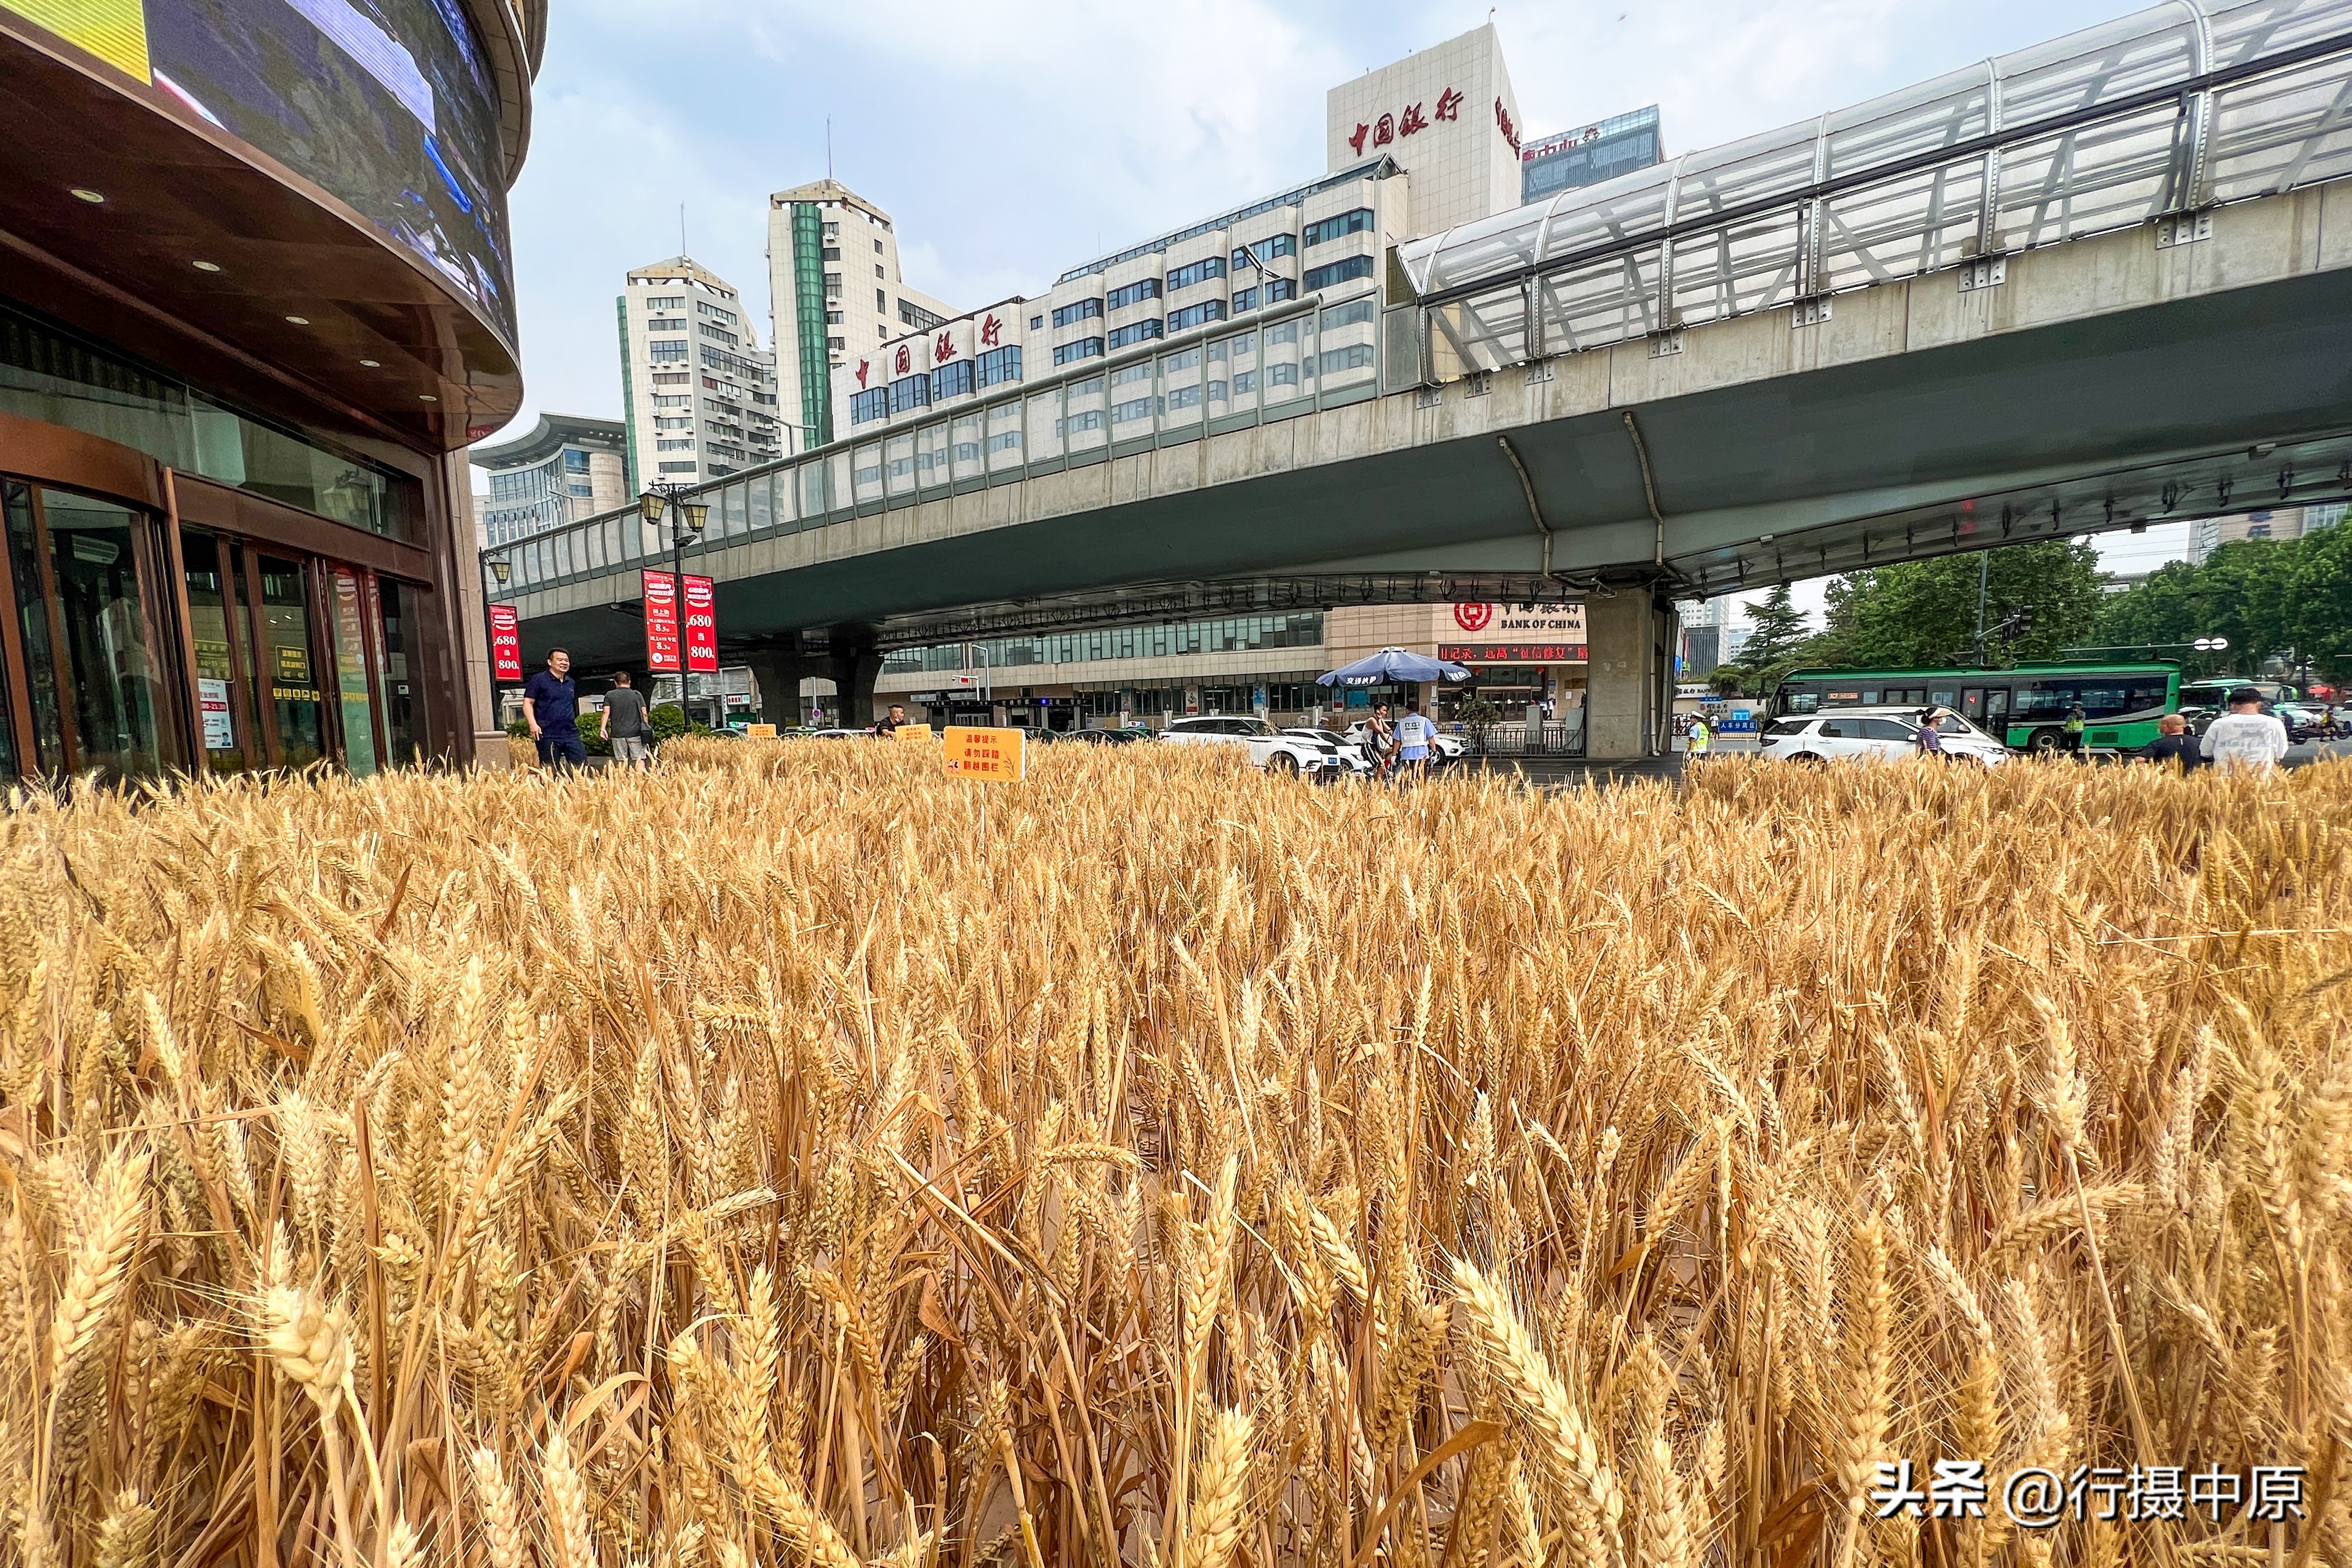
{"type": "Point", "coordinates": [768, 1161]}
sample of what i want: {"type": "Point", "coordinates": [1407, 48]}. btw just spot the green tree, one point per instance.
{"type": "Point", "coordinates": [2265, 596]}
{"type": "Point", "coordinates": [2039, 598]}
{"type": "Point", "coordinates": [1726, 681]}
{"type": "Point", "coordinates": [2317, 601]}
{"type": "Point", "coordinates": [1779, 631]}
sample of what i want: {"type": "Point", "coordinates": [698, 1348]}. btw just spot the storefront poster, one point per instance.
{"type": "Point", "coordinates": [702, 625]}
{"type": "Point", "coordinates": [506, 643]}
{"type": "Point", "coordinates": [661, 620]}
{"type": "Point", "coordinates": [1521, 633]}
{"type": "Point", "coordinates": [220, 719]}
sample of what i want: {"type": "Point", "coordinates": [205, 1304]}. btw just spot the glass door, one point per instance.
{"type": "Point", "coordinates": [221, 643]}
{"type": "Point", "coordinates": [290, 661]}
{"type": "Point", "coordinates": [105, 627]}
{"type": "Point", "coordinates": [395, 602]}
{"type": "Point", "coordinates": [356, 700]}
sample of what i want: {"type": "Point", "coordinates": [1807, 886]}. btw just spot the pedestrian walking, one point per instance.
{"type": "Point", "coordinates": [550, 705]}
{"type": "Point", "coordinates": [1379, 739]}
{"type": "Point", "coordinates": [2246, 739]}
{"type": "Point", "coordinates": [1930, 741]}
{"type": "Point", "coordinates": [1699, 738]}
{"type": "Point", "coordinates": [624, 723]}
{"type": "Point", "coordinates": [1414, 738]}
{"type": "Point", "coordinates": [2173, 743]}
{"type": "Point", "coordinates": [2075, 719]}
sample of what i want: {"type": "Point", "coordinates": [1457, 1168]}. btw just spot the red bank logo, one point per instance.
{"type": "Point", "coordinates": [1472, 617]}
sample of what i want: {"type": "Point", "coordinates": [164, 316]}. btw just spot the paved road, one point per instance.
{"type": "Point", "coordinates": [1574, 770]}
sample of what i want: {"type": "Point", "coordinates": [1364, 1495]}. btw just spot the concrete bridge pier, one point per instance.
{"type": "Point", "coordinates": [851, 663]}
{"type": "Point", "coordinates": [1628, 670]}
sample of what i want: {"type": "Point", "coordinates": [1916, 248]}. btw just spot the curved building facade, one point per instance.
{"type": "Point", "coordinates": [257, 297]}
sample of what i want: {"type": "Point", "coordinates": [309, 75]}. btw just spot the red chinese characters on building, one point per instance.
{"type": "Point", "coordinates": [863, 367]}
{"type": "Point", "coordinates": [905, 358]}
{"type": "Point", "coordinates": [943, 349]}
{"type": "Point", "coordinates": [990, 331]}
{"type": "Point", "coordinates": [1503, 120]}
{"type": "Point", "coordinates": [1407, 121]}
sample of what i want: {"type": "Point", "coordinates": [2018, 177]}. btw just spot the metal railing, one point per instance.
{"type": "Point", "coordinates": [1279, 362]}
{"type": "Point", "coordinates": [2162, 114]}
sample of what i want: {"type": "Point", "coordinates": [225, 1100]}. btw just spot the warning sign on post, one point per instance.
{"type": "Point", "coordinates": [991, 756]}
{"type": "Point", "coordinates": [914, 732]}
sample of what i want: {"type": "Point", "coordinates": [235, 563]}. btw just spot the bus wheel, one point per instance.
{"type": "Point", "coordinates": [2045, 742]}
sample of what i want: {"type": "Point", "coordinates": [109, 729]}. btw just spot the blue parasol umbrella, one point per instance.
{"type": "Point", "coordinates": [1392, 666]}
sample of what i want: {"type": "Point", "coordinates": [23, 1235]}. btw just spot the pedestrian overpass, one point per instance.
{"type": "Point", "coordinates": [2099, 283]}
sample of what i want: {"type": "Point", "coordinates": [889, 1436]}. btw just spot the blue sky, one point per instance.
{"type": "Point", "coordinates": [1009, 141]}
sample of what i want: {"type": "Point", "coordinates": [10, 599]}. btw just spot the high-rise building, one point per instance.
{"type": "Point", "coordinates": [2210, 533]}
{"type": "Point", "coordinates": [1601, 151]}
{"type": "Point", "coordinates": [1447, 117]}
{"type": "Point", "coordinates": [701, 394]}
{"type": "Point", "coordinates": [835, 290]}
{"type": "Point", "coordinates": [565, 470]}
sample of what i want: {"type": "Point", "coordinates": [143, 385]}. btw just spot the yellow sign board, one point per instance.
{"type": "Point", "coordinates": [991, 756]}
{"type": "Point", "coordinates": [758, 732]}
{"type": "Point", "coordinates": [914, 732]}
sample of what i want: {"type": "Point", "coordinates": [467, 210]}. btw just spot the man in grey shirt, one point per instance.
{"type": "Point", "coordinates": [624, 722]}
{"type": "Point", "coordinates": [2245, 738]}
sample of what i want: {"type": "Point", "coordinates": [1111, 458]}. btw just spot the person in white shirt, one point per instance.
{"type": "Point", "coordinates": [1414, 738]}
{"type": "Point", "coordinates": [2245, 737]}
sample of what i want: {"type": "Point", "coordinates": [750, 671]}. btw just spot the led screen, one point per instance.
{"type": "Point", "coordinates": [388, 104]}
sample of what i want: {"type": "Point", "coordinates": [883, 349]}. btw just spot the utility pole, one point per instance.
{"type": "Point", "coordinates": [1984, 581]}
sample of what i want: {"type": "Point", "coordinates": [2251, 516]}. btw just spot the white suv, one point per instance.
{"type": "Point", "coordinates": [1445, 748]}
{"type": "Point", "coordinates": [1873, 734]}
{"type": "Point", "coordinates": [1267, 746]}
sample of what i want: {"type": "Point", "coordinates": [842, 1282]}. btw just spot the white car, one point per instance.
{"type": "Point", "coordinates": [1449, 747]}
{"type": "Point", "coordinates": [1873, 734]}
{"type": "Point", "coordinates": [1267, 746]}
{"type": "Point", "coordinates": [1353, 758]}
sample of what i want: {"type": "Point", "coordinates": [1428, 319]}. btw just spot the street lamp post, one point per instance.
{"type": "Point", "coordinates": [686, 521]}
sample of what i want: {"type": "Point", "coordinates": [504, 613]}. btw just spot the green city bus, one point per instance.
{"type": "Point", "coordinates": [2025, 706]}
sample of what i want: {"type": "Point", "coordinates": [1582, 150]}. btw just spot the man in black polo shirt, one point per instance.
{"type": "Point", "coordinates": [551, 705]}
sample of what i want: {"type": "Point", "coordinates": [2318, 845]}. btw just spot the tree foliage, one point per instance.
{"type": "Point", "coordinates": [2284, 597]}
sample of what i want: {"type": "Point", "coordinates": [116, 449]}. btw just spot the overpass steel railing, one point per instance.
{"type": "Point", "coordinates": [2157, 115]}
{"type": "Point", "coordinates": [1279, 362]}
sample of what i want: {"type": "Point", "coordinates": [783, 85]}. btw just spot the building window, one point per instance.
{"type": "Point", "coordinates": [832, 285]}
{"type": "Point", "coordinates": [1091, 419]}
{"type": "Point", "coordinates": [575, 462]}
{"type": "Point", "coordinates": [704, 307]}
{"type": "Point", "coordinates": [1346, 224]}
{"type": "Point", "coordinates": [1037, 323]}
{"type": "Point", "coordinates": [869, 405]}
{"type": "Point", "coordinates": [910, 392]}
{"type": "Point", "coordinates": [877, 247]}
{"type": "Point", "coordinates": [878, 266]}
{"type": "Point", "coordinates": [1244, 300]}
{"type": "Point", "coordinates": [673, 379]}
{"type": "Point", "coordinates": [1136, 332]}
{"type": "Point", "coordinates": [686, 445]}
{"type": "Point", "coordinates": [882, 303]}
{"type": "Point", "coordinates": [833, 318]}
{"type": "Point", "coordinates": [678, 468]}
{"type": "Point", "coordinates": [1127, 376]}
{"type": "Point", "coordinates": [1196, 315]}
{"type": "Point", "coordinates": [952, 380]}
{"type": "Point", "coordinates": [1355, 313]}
{"type": "Point", "coordinates": [1135, 293]}
{"type": "Point", "coordinates": [1197, 272]}
{"type": "Point", "coordinates": [1000, 365]}
{"type": "Point", "coordinates": [1265, 249]}
{"type": "Point", "coordinates": [832, 252]}
{"type": "Point", "coordinates": [1079, 310]}
{"type": "Point", "coordinates": [719, 334]}
{"type": "Point", "coordinates": [1354, 357]}
{"type": "Point", "coordinates": [666, 302]}
{"type": "Point", "coordinates": [837, 344]}
{"type": "Point", "coordinates": [1183, 397]}
{"type": "Point", "coordinates": [675, 422]}
{"type": "Point", "coordinates": [922, 321]}
{"type": "Point", "coordinates": [1353, 267]}
{"type": "Point", "coordinates": [665, 324]}
{"type": "Point", "coordinates": [1084, 348]}
{"type": "Point", "coordinates": [831, 233]}
{"type": "Point", "coordinates": [660, 353]}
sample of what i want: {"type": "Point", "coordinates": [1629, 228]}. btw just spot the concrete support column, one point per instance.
{"type": "Point", "coordinates": [1625, 697]}
{"type": "Point", "coordinates": [778, 673]}
{"type": "Point", "coordinates": [854, 671]}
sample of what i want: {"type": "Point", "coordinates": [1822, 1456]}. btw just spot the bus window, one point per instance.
{"type": "Point", "coordinates": [1803, 701]}
{"type": "Point", "coordinates": [2104, 698]}
{"type": "Point", "coordinates": [1996, 715]}
{"type": "Point", "coordinates": [1972, 704]}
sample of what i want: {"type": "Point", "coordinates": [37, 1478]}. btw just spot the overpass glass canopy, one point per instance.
{"type": "Point", "coordinates": [2169, 112]}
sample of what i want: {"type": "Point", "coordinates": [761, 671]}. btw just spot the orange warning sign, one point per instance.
{"type": "Point", "coordinates": [991, 756]}
{"type": "Point", "coordinates": [914, 732]}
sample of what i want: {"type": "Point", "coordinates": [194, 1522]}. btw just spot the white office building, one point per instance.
{"type": "Point", "coordinates": [836, 291]}
{"type": "Point", "coordinates": [701, 394]}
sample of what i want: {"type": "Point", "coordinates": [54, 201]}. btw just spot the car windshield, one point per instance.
{"type": "Point", "coordinates": [1789, 726]}
{"type": "Point", "coordinates": [1254, 727]}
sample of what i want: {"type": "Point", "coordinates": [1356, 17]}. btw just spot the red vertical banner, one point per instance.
{"type": "Point", "coordinates": [506, 643]}
{"type": "Point", "coordinates": [661, 622]}
{"type": "Point", "coordinates": [702, 625]}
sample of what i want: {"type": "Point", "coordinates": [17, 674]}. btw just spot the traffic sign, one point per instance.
{"type": "Point", "coordinates": [991, 756]}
